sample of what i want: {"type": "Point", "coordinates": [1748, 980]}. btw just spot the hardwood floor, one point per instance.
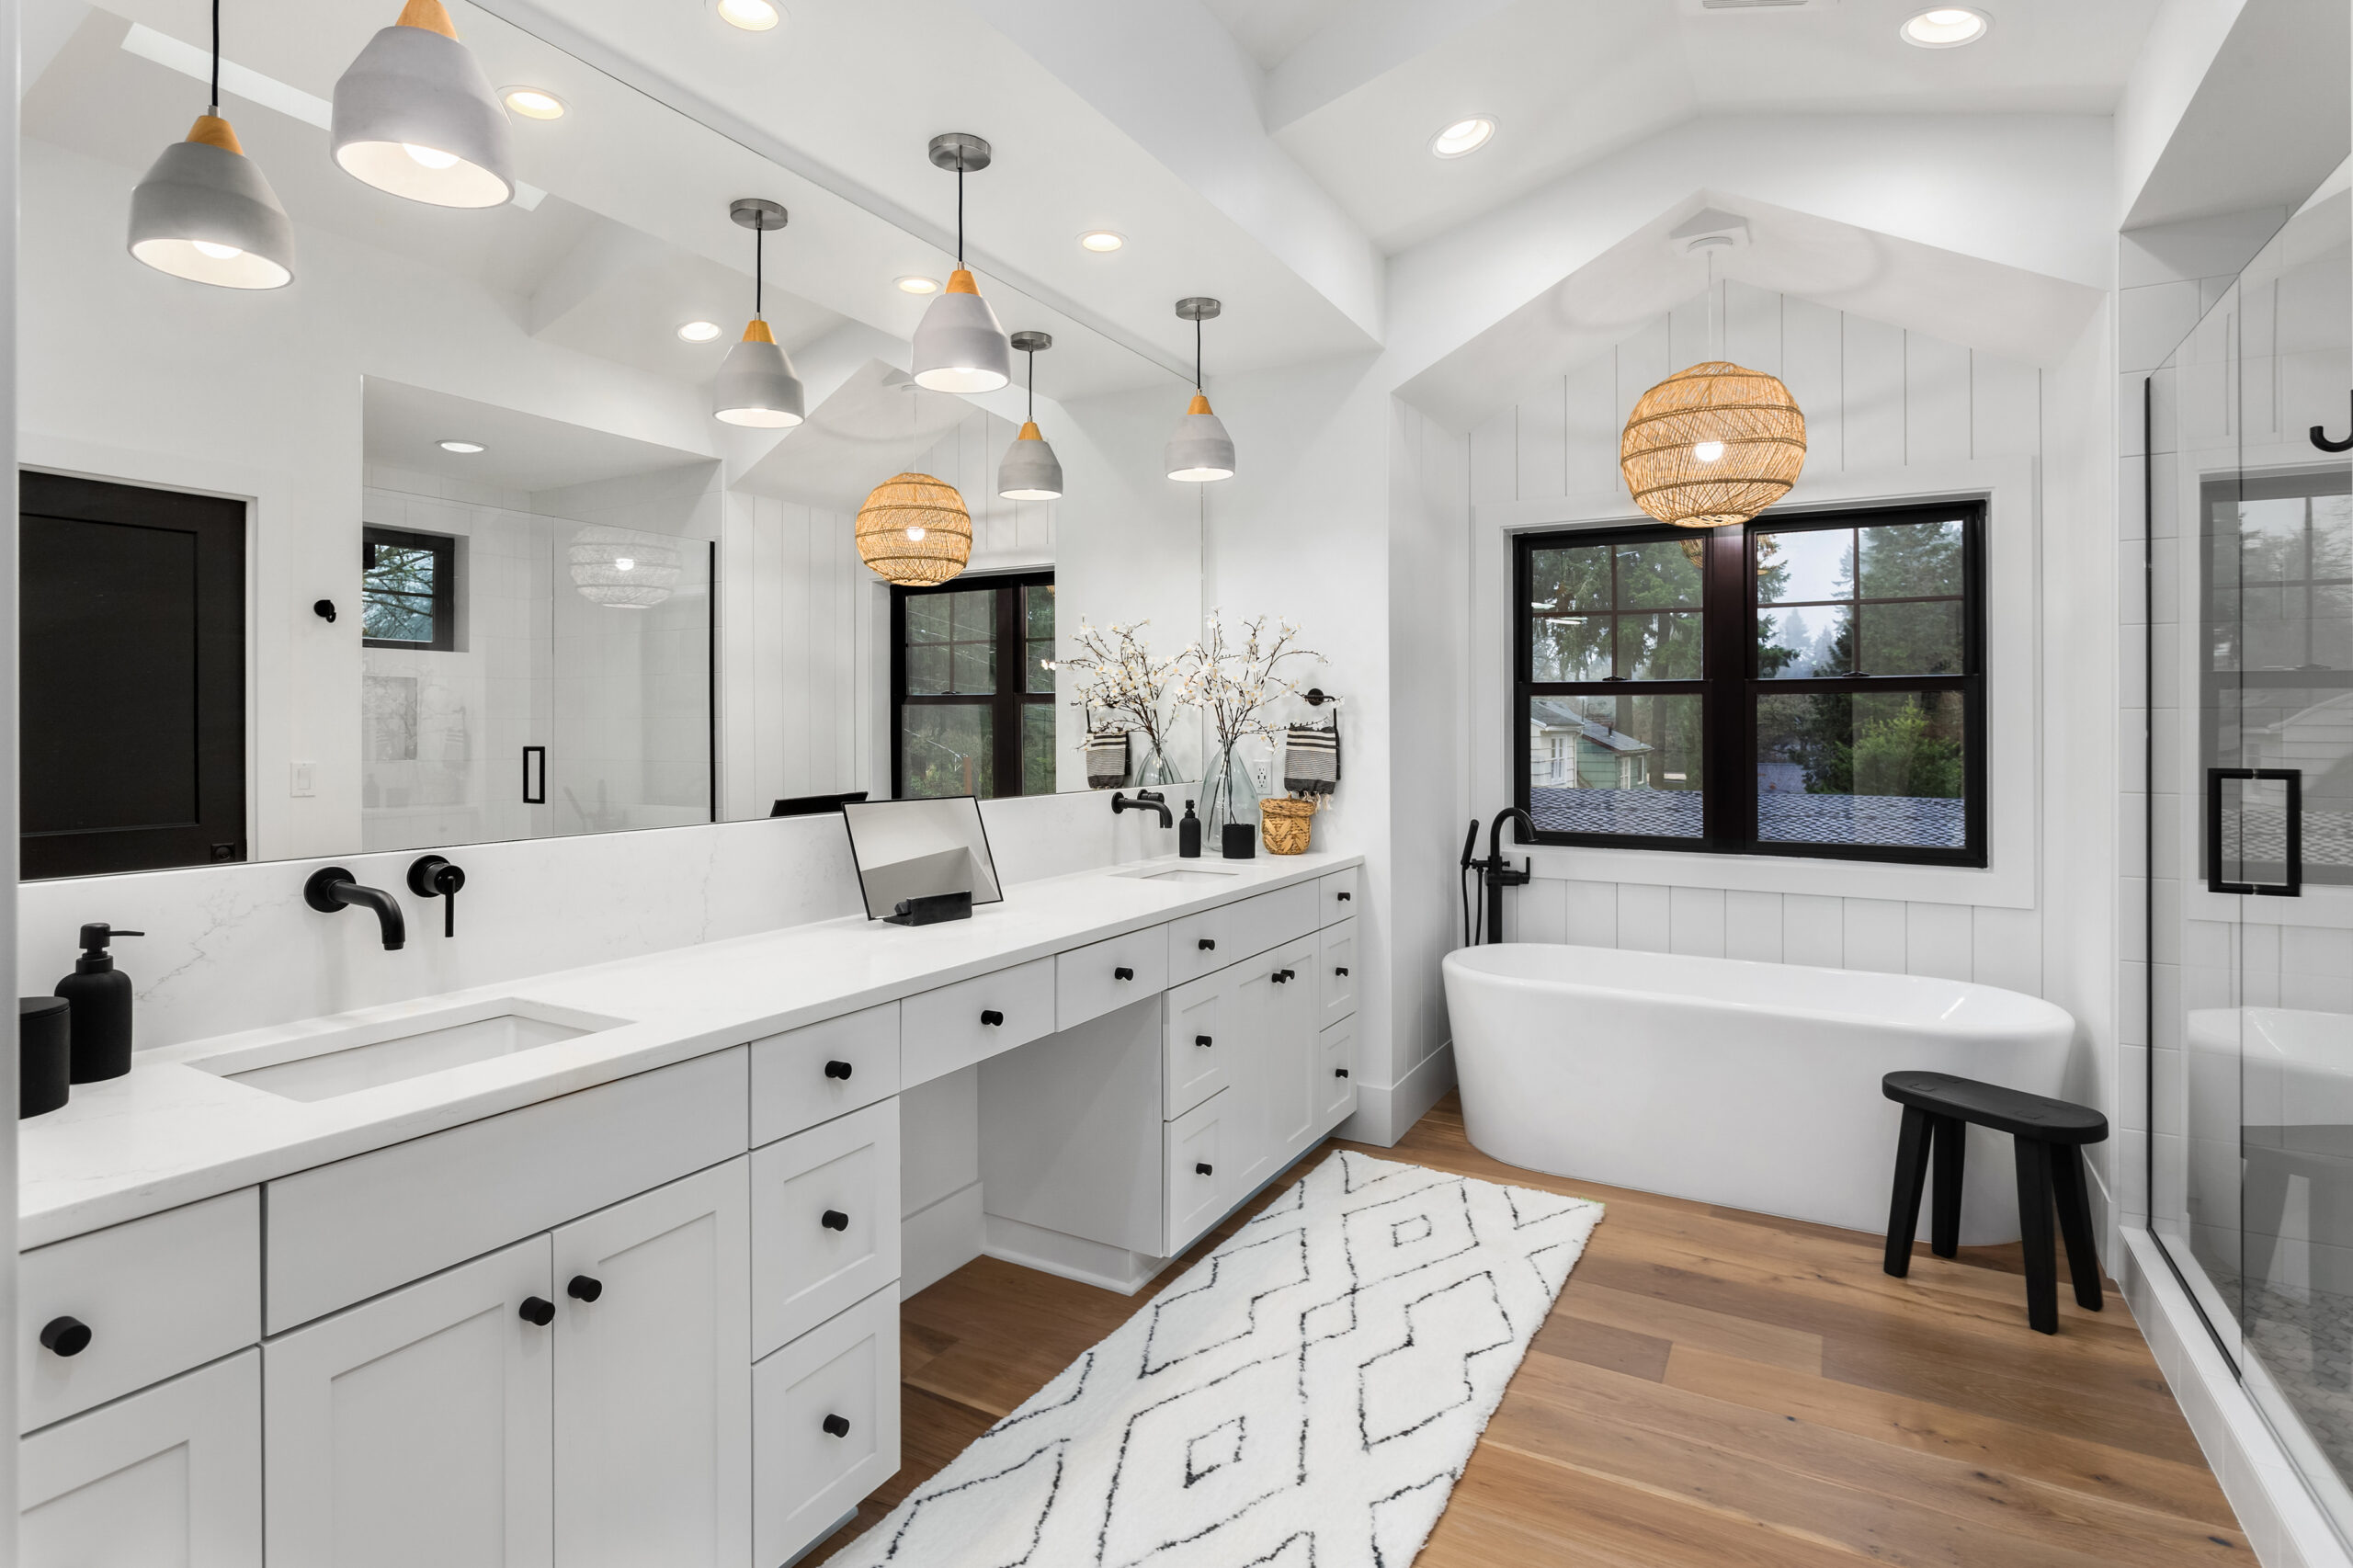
{"type": "Point", "coordinates": [1713, 1387]}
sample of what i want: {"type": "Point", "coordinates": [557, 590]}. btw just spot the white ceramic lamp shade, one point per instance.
{"type": "Point", "coordinates": [205, 213]}
{"type": "Point", "coordinates": [757, 386]}
{"type": "Point", "coordinates": [1030, 470]}
{"type": "Point", "coordinates": [415, 116]}
{"type": "Point", "coordinates": [959, 347]}
{"type": "Point", "coordinates": [1201, 450]}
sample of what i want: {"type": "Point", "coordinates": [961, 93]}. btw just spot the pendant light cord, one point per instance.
{"type": "Point", "coordinates": [1033, 384]}
{"type": "Point", "coordinates": [759, 270]}
{"type": "Point", "coordinates": [1197, 354]}
{"type": "Point", "coordinates": [959, 211]}
{"type": "Point", "coordinates": [216, 59]}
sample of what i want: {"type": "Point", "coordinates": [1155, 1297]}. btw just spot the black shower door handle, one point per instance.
{"type": "Point", "coordinates": [2293, 886]}
{"type": "Point", "coordinates": [534, 775]}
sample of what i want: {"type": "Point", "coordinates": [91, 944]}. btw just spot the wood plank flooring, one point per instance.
{"type": "Point", "coordinates": [1713, 1387]}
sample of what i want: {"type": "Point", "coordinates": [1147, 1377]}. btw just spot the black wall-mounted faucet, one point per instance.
{"type": "Point", "coordinates": [331, 891]}
{"type": "Point", "coordinates": [1145, 800]}
{"type": "Point", "coordinates": [432, 876]}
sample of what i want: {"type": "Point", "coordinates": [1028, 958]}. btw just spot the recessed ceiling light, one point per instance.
{"type": "Point", "coordinates": [698, 331]}
{"type": "Point", "coordinates": [468, 448]}
{"type": "Point", "coordinates": [1946, 26]}
{"type": "Point", "coordinates": [752, 15]}
{"type": "Point", "coordinates": [1463, 136]}
{"type": "Point", "coordinates": [533, 103]}
{"type": "Point", "coordinates": [1101, 240]}
{"type": "Point", "coordinates": [912, 284]}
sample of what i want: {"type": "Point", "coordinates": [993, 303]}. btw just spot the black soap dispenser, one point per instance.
{"type": "Point", "coordinates": [1189, 835]}
{"type": "Point", "coordinates": [99, 995]}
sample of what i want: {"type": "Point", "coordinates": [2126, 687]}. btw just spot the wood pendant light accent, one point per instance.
{"type": "Point", "coordinates": [215, 131]}
{"type": "Point", "coordinates": [910, 504]}
{"type": "Point", "coordinates": [1753, 415]}
{"type": "Point", "coordinates": [430, 15]}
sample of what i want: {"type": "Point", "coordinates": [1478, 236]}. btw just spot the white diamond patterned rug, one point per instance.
{"type": "Point", "coordinates": [1303, 1397]}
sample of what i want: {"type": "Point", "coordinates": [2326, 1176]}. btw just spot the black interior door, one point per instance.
{"type": "Point", "coordinates": [133, 677]}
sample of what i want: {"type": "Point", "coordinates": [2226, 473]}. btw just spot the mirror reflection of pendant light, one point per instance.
{"type": "Point", "coordinates": [958, 347]}
{"type": "Point", "coordinates": [1201, 450]}
{"type": "Point", "coordinates": [623, 569]}
{"type": "Point", "coordinates": [1715, 444]}
{"type": "Point", "coordinates": [756, 385]}
{"type": "Point", "coordinates": [415, 116]}
{"type": "Point", "coordinates": [1030, 470]}
{"type": "Point", "coordinates": [205, 213]}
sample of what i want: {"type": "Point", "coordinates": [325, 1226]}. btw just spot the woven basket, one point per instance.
{"type": "Point", "coordinates": [1284, 824]}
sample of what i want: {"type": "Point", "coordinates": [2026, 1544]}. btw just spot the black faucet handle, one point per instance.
{"type": "Point", "coordinates": [432, 876]}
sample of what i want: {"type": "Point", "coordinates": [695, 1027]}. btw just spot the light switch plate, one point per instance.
{"type": "Point", "coordinates": [304, 784]}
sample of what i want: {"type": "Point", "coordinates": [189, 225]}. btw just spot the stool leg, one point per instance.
{"type": "Point", "coordinates": [2034, 1235]}
{"type": "Point", "coordinates": [1911, 1174]}
{"type": "Point", "coordinates": [1951, 1144]}
{"type": "Point", "coordinates": [2075, 1223]}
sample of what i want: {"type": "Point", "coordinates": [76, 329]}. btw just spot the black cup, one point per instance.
{"type": "Point", "coordinates": [1240, 841]}
{"type": "Point", "coordinates": [44, 1057]}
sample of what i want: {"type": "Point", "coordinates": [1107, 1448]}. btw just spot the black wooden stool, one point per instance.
{"type": "Point", "coordinates": [2049, 1136]}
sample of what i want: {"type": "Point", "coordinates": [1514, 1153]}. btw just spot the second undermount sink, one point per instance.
{"type": "Point", "coordinates": [1178, 874]}
{"type": "Point", "coordinates": [367, 1056]}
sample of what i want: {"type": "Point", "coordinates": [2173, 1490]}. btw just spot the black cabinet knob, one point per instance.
{"type": "Point", "coordinates": [833, 1219]}
{"type": "Point", "coordinates": [837, 1070]}
{"type": "Point", "coordinates": [1280, 977]}
{"type": "Point", "coordinates": [536, 1310]}
{"type": "Point", "coordinates": [1339, 1071]}
{"type": "Point", "coordinates": [1208, 946]}
{"type": "Point", "coordinates": [837, 1426]}
{"type": "Point", "coordinates": [1201, 1168]}
{"type": "Point", "coordinates": [991, 1018]}
{"type": "Point", "coordinates": [1340, 970]}
{"type": "Point", "coordinates": [1123, 972]}
{"type": "Point", "coordinates": [65, 1336]}
{"type": "Point", "coordinates": [1201, 1040]}
{"type": "Point", "coordinates": [584, 1289]}
{"type": "Point", "coordinates": [1344, 897]}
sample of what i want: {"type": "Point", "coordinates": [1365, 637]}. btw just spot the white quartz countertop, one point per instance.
{"type": "Point", "coordinates": [170, 1133]}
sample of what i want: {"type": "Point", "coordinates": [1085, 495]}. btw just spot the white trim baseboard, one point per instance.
{"type": "Point", "coordinates": [1385, 1112]}
{"type": "Point", "coordinates": [939, 1238]}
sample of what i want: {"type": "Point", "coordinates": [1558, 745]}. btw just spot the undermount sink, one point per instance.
{"type": "Point", "coordinates": [367, 1056]}
{"type": "Point", "coordinates": [1178, 874]}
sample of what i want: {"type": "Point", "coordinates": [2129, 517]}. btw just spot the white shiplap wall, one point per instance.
{"type": "Point", "coordinates": [1877, 398]}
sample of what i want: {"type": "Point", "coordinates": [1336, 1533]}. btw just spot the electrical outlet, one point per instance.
{"type": "Point", "coordinates": [304, 785]}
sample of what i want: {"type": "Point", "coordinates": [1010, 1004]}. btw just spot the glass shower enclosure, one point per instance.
{"type": "Point", "coordinates": [2246, 605]}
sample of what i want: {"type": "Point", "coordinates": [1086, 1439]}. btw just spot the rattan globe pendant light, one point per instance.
{"type": "Point", "coordinates": [1201, 450]}
{"type": "Point", "coordinates": [958, 347]}
{"type": "Point", "coordinates": [415, 116]}
{"type": "Point", "coordinates": [205, 213]}
{"type": "Point", "coordinates": [1030, 470]}
{"type": "Point", "coordinates": [914, 530]}
{"type": "Point", "coordinates": [756, 385]}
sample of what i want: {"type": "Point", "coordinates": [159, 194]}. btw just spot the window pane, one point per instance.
{"type": "Point", "coordinates": [1812, 564]}
{"type": "Point", "coordinates": [1872, 770]}
{"type": "Point", "coordinates": [976, 669]}
{"type": "Point", "coordinates": [927, 670]}
{"type": "Point", "coordinates": [396, 594]}
{"type": "Point", "coordinates": [1911, 640]}
{"type": "Point", "coordinates": [1040, 664]}
{"type": "Point", "coordinates": [1616, 764]}
{"type": "Point", "coordinates": [1569, 647]}
{"type": "Point", "coordinates": [1038, 610]}
{"type": "Point", "coordinates": [1906, 561]}
{"type": "Point", "coordinates": [944, 749]}
{"type": "Point", "coordinates": [1037, 748]}
{"type": "Point", "coordinates": [1660, 647]}
{"type": "Point", "coordinates": [1815, 640]}
{"type": "Point", "coordinates": [1560, 580]}
{"type": "Point", "coordinates": [927, 617]}
{"type": "Point", "coordinates": [1661, 574]}
{"type": "Point", "coordinates": [975, 613]}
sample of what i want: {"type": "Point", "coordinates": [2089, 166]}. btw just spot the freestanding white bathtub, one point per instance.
{"type": "Point", "coordinates": [1750, 1085]}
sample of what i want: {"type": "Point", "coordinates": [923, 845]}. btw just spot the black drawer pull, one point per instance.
{"type": "Point", "coordinates": [1342, 970]}
{"type": "Point", "coordinates": [837, 1426]}
{"type": "Point", "coordinates": [1280, 977]}
{"type": "Point", "coordinates": [1201, 1168]}
{"type": "Point", "coordinates": [1123, 972]}
{"type": "Point", "coordinates": [1202, 1039]}
{"type": "Point", "coordinates": [1344, 897]}
{"type": "Point", "coordinates": [833, 1219]}
{"type": "Point", "coordinates": [1339, 1071]}
{"type": "Point", "coordinates": [584, 1289]}
{"type": "Point", "coordinates": [1208, 946]}
{"type": "Point", "coordinates": [65, 1336]}
{"type": "Point", "coordinates": [991, 1018]}
{"type": "Point", "coordinates": [837, 1070]}
{"type": "Point", "coordinates": [536, 1310]}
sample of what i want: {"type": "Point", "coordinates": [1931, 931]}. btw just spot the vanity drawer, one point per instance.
{"type": "Point", "coordinates": [1335, 1075]}
{"type": "Point", "coordinates": [1342, 892]}
{"type": "Point", "coordinates": [1103, 977]}
{"type": "Point", "coordinates": [1198, 1045]}
{"type": "Point", "coordinates": [158, 1296]}
{"type": "Point", "coordinates": [1336, 984]}
{"type": "Point", "coordinates": [1230, 932]}
{"type": "Point", "coordinates": [807, 1076]}
{"type": "Point", "coordinates": [942, 1030]}
{"type": "Point", "coordinates": [360, 1227]}
{"type": "Point", "coordinates": [803, 1269]}
{"type": "Point", "coordinates": [808, 1476]}
{"type": "Point", "coordinates": [1200, 1153]}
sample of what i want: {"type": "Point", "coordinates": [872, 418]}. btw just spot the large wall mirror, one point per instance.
{"type": "Point", "coordinates": [564, 598]}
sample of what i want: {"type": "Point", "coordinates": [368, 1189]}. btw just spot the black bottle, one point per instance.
{"type": "Point", "coordinates": [99, 994]}
{"type": "Point", "coordinates": [1188, 835]}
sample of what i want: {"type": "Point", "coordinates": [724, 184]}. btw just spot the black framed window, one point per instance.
{"type": "Point", "coordinates": [408, 590]}
{"type": "Point", "coordinates": [972, 687]}
{"type": "Point", "coordinates": [1806, 685]}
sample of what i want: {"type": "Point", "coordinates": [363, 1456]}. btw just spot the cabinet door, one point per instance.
{"type": "Point", "coordinates": [653, 1378]}
{"type": "Point", "coordinates": [1201, 1175]}
{"type": "Point", "coordinates": [1337, 986]}
{"type": "Point", "coordinates": [413, 1428]}
{"type": "Point", "coordinates": [171, 1475]}
{"type": "Point", "coordinates": [1198, 1048]}
{"type": "Point", "coordinates": [828, 1408]}
{"type": "Point", "coordinates": [1289, 1058]}
{"type": "Point", "coordinates": [1335, 1092]}
{"type": "Point", "coordinates": [824, 1223]}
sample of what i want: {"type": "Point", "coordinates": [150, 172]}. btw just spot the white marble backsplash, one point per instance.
{"type": "Point", "coordinates": [230, 948]}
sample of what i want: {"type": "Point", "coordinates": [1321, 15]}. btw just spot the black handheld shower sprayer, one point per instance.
{"type": "Point", "coordinates": [1495, 873]}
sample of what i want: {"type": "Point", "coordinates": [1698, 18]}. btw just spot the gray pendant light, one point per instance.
{"type": "Point", "coordinates": [1030, 470]}
{"type": "Point", "coordinates": [415, 116]}
{"type": "Point", "coordinates": [959, 347]}
{"type": "Point", "coordinates": [756, 385]}
{"type": "Point", "coordinates": [205, 213]}
{"type": "Point", "coordinates": [1201, 450]}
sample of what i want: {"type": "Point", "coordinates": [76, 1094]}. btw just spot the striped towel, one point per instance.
{"type": "Point", "coordinates": [1311, 760]}
{"type": "Point", "coordinates": [1106, 759]}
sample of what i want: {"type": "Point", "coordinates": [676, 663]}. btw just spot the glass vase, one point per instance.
{"type": "Point", "coordinates": [1229, 794]}
{"type": "Point", "coordinates": [1151, 769]}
